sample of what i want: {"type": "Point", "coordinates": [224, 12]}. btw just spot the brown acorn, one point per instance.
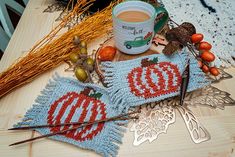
{"type": "Point", "coordinates": [189, 27]}
{"type": "Point", "coordinates": [170, 35]}
{"type": "Point", "coordinates": [183, 36]}
{"type": "Point", "coordinates": [178, 34]}
{"type": "Point", "coordinates": [171, 47]}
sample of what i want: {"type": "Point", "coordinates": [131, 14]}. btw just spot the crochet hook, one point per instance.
{"type": "Point", "coordinates": [184, 83]}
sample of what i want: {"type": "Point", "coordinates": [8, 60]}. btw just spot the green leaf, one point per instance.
{"type": "Point", "coordinates": [96, 95]}
{"type": "Point", "coordinates": [155, 60]}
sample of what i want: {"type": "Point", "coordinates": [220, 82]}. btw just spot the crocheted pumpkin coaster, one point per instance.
{"type": "Point", "coordinates": [149, 79]}
{"type": "Point", "coordinates": [66, 100]}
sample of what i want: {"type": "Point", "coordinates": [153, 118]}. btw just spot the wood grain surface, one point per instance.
{"type": "Point", "coordinates": [35, 24]}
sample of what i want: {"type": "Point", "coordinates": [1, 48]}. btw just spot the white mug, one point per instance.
{"type": "Point", "coordinates": [136, 37]}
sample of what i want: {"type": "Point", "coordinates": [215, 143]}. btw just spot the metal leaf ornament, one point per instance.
{"type": "Point", "coordinates": [58, 6]}
{"type": "Point", "coordinates": [152, 122]}
{"type": "Point", "coordinates": [74, 21]}
{"type": "Point", "coordinates": [197, 131]}
{"type": "Point", "coordinates": [209, 96]}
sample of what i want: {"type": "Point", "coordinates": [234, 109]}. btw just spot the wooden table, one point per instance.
{"type": "Point", "coordinates": [35, 24]}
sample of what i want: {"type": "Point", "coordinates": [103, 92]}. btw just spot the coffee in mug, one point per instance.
{"type": "Point", "coordinates": [133, 16]}
{"type": "Point", "coordinates": [134, 25]}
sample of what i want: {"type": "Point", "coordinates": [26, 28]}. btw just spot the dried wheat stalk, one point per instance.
{"type": "Point", "coordinates": [50, 52]}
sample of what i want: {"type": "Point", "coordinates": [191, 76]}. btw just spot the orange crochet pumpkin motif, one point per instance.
{"type": "Point", "coordinates": [153, 79]}
{"type": "Point", "coordinates": [89, 109]}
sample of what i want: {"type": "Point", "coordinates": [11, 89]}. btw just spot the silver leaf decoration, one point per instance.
{"type": "Point", "coordinates": [55, 7]}
{"type": "Point", "coordinates": [96, 79]}
{"type": "Point", "coordinates": [197, 131]}
{"type": "Point", "coordinates": [153, 120]}
{"type": "Point", "coordinates": [62, 15]}
{"type": "Point", "coordinates": [209, 96]}
{"type": "Point", "coordinates": [72, 22]}
{"type": "Point", "coordinates": [64, 12]}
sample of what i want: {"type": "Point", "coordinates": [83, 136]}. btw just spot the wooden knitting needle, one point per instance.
{"type": "Point", "coordinates": [120, 117]}
{"type": "Point", "coordinates": [56, 125]}
{"type": "Point", "coordinates": [46, 125]}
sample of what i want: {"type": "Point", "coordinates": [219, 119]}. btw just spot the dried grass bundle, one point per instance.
{"type": "Point", "coordinates": [49, 52]}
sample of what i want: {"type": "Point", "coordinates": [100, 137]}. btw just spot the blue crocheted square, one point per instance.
{"type": "Point", "coordinates": [66, 100]}
{"type": "Point", "coordinates": [150, 78]}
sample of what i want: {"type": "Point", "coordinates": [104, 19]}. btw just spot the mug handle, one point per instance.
{"type": "Point", "coordinates": [163, 19]}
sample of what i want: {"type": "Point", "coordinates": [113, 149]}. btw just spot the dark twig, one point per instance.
{"type": "Point", "coordinates": [174, 22]}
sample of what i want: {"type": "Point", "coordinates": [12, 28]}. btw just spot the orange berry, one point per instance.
{"type": "Point", "coordinates": [199, 64]}
{"type": "Point", "coordinates": [214, 71]}
{"type": "Point", "coordinates": [107, 53]}
{"type": "Point", "coordinates": [207, 56]}
{"type": "Point", "coordinates": [204, 46]}
{"type": "Point", "coordinates": [205, 68]}
{"type": "Point", "coordinates": [196, 38]}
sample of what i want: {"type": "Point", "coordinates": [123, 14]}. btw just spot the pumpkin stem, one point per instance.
{"type": "Point", "coordinates": [146, 62]}
{"type": "Point", "coordinates": [94, 94]}
{"type": "Point", "coordinates": [86, 91]}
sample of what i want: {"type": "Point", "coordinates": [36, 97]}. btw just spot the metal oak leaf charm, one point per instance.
{"type": "Point", "coordinates": [62, 15]}
{"type": "Point", "coordinates": [153, 120]}
{"type": "Point", "coordinates": [55, 7]}
{"type": "Point", "coordinates": [197, 131]}
{"type": "Point", "coordinates": [147, 127]}
{"type": "Point", "coordinates": [74, 21]}
{"type": "Point", "coordinates": [96, 79]}
{"type": "Point", "coordinates": [209, 96]}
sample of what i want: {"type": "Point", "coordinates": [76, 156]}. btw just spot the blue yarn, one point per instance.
{"type": "Point", "coordinates": [116, 74]}
{"type": "Point", "coordinates": [117, 97]}
{"type": "Point", "coordinates": [105, 142]}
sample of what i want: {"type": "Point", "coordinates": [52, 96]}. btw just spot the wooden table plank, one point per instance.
{"type": "Point", "coordinates": [177, 143]}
